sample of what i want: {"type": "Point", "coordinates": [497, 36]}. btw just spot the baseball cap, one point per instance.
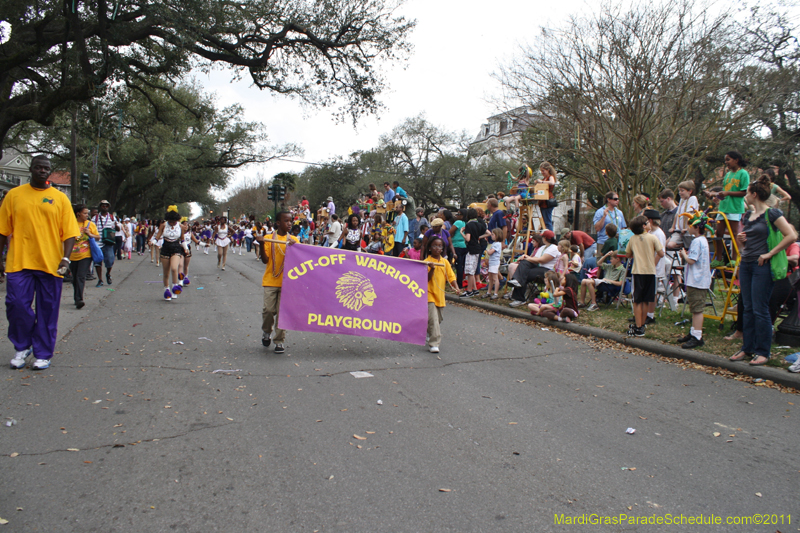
{"type": "Point", "coordinates": [549, 235]}
{"type": "Point", "coordinates": [652, 214]}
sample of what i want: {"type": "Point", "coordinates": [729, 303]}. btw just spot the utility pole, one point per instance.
{"type": "Point", "coordinates": [73, 175]}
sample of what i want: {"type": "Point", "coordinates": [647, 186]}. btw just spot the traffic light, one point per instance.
{"type": "Point", "coordinates": [271, 193]}
{"type": "Point", "coordinates": [570, 216]}
{"type": "Point", "coordinates": [282, 193]}
{"type": "Point", "coordinates": [84, 182]}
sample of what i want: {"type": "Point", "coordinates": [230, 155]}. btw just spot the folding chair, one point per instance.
{"type": "Point", "coordinates": [628, 285]}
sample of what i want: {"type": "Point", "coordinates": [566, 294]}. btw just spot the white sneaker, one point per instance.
{"type": "Point", "coordinates": [434, 349]}
{"type": "Point", "coordinates": [794, 368]}
{"type": "Point", "coordinates": [19, 359]}
{"type": "Point", "coordinates": [41, 364]}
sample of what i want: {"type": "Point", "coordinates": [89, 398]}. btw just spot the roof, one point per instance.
{"type": "Point", "coordinates": [13, 157]}
{"type": "Point", "coordinates": [60, 177]}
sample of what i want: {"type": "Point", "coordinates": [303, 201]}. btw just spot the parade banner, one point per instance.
{"type": "Point", "coordinates": [328, 290]}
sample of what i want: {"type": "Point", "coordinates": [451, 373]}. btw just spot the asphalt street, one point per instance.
{"type": "Point", "coordinates": [507, 429]}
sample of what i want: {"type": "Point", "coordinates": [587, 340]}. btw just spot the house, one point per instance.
{"type": "Point", "coordinates": [62, 180]}
{"type": "Point", "coordinates": [14, 169]}
{"type": "Point", "coordinates": [498, 138]}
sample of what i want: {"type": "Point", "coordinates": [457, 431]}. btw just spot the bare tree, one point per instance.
{"type": "Point", "coordinates": [634, 99]}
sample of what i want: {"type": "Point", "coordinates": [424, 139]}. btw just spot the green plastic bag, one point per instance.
{"type": "Point", "coordinates": [779, 264]}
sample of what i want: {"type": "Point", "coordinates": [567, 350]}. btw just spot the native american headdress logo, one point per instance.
{"type": "Point", "coordinates": [354, 291]}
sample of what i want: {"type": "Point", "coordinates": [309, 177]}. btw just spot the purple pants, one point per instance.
{"type": "Point", "coordinates": [27, 328]}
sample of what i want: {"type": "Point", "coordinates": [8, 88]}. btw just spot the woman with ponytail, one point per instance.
{"type": "Point", "coordinates": [756, 276]}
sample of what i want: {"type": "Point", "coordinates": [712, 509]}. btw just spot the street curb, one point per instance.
{"type": "Point", "coordinates": [779, 376]}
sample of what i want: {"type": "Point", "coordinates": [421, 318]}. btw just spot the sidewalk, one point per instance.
{"type": "Point", "coordinates": [776, 375]}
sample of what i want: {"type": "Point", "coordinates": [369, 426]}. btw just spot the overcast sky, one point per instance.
{"type": "Point", "coordinates": [457, 45]}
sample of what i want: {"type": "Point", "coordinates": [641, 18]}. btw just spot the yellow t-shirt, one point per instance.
{"type": "Point", "coordinates": [273, 274]}
{"type": "Point", "coordinates": [441, 276]}
{"type": "Point", "coordinates": [37, 222]}
{"type": "Point", "coordinates": [81, 248]}
{"type": "Point", "coordinates": [644, 248]}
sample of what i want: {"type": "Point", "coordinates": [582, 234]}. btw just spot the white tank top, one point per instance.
{"type": "Point", "coordinates": [171, 233]}
{"type": "Point", "coordinates": [222, 232]}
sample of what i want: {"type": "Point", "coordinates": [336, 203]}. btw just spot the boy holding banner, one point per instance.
{"type": "Point", "coordinates": [273, 254]}
{"type": "Point", "coordinates": [437, 277]}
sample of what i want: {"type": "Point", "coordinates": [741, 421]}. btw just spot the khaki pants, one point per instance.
{"type": "Point", "coordinates": [434, 319]}
{"type": "Point", "coordinates": [269, 313]}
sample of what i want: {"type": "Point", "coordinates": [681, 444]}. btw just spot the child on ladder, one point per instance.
{"type": "Point", "coordinates": [523, 183]}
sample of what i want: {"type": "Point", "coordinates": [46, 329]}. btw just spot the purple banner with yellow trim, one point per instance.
{"type": "Point", "coordinates": [328, 290]}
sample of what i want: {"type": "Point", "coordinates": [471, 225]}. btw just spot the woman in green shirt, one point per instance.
{"type": "Point", "coordinates": [734, 189]}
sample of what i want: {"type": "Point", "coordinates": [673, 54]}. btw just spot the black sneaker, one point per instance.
{"type": "Point", "coordinates": [631, 330]}
{"type": "Point", "coordinates": [684, 339]}
{"type": "Point", "coordinates": [466, 294]}
{"type": "Point", "coordinates": [99, 283]}
{"type": "Point", "coordinates": [649, 320]}
{"type": "Point", "coordinates": [265, 339]}
{"type": "Point", "coordinates": [108, 278]}
{"type": "Point", "coordinates": [639, 332]}
{"type": "Point", "coordinates": [694, 342]}
{"type": "Point", "coordinates": [279, 348]}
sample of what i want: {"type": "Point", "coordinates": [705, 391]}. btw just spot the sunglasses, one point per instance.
{"type": "Point", "coordinates": [617, 198]}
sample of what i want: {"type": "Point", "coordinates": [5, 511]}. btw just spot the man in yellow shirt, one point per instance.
{"type": "Point", "coordinates": [37, 222]}
{"type": "Point", "coordinates": [273, 254]}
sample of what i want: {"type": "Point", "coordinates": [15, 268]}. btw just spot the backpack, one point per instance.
{"type": "Point", "coordinates": [623, 237]}
{"type": "Point", "coordinates": [108, 234]}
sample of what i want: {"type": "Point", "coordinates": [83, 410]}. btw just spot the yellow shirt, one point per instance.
{"type": "Point", "coordinates": [440, 277]}
{"type": "Point", "coordinates": [273, 274]}
{"type": "Point", "coordinates": [644, 248]}
{"type": "Point", "coordinates": [81, 248]}
{"type": "Point", "coordinates": [37, 222]}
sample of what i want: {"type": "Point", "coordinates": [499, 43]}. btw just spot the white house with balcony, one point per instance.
{"type": "Point", "coordinates": [499, 136]}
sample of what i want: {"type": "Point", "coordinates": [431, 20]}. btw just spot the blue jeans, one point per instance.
{"type": "Point", "coordinates": [108, 255]}
{"type": "Point", "coordinates": [586, 267]}
{"type": "Point", "coordinates": [249, 242]}
{"type": "Point", "coordinates": [756, 285]}
{"type": "Point", "coordinates": [547, 215]}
